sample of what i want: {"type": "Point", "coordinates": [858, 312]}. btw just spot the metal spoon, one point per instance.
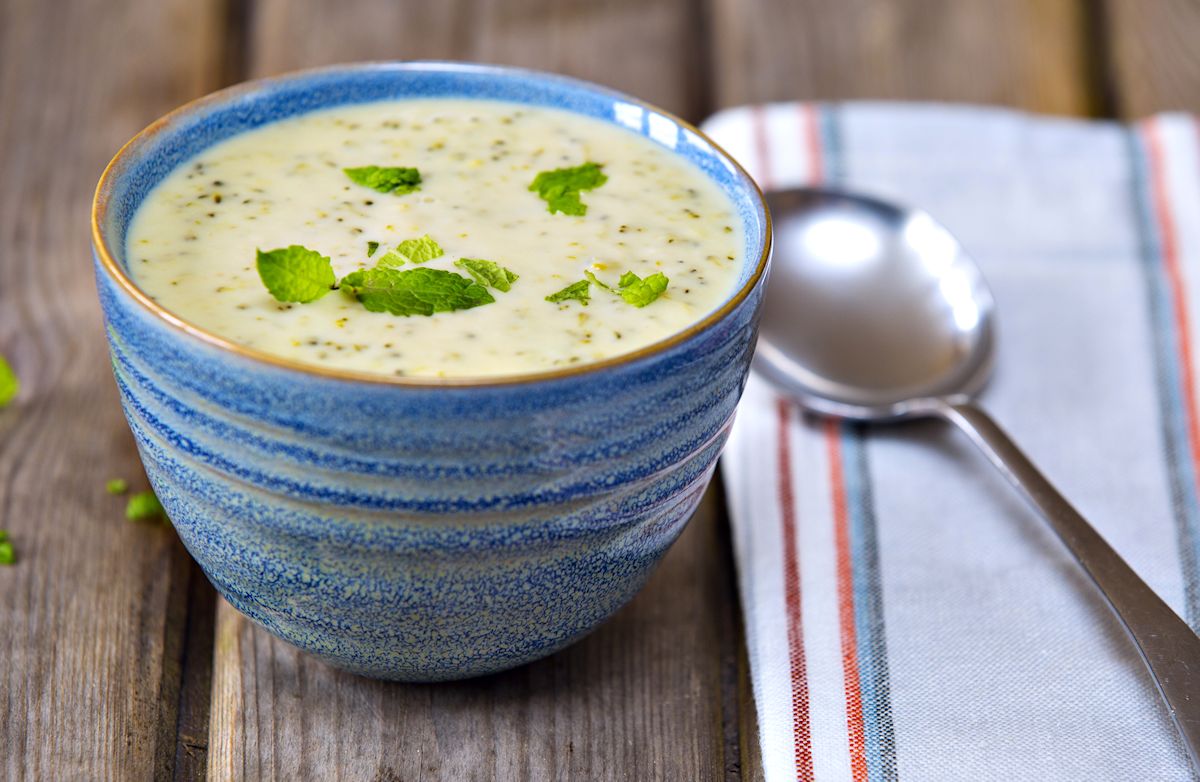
{"type": "Point", "coordinates": [876, 313]}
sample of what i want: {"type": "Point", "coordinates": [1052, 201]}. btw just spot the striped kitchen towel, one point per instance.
{"type": "Point", "coordinates": [907, 617]}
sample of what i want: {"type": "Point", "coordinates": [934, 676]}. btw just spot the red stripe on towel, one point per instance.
{"type": "Point", "coordinates": [856, 737]}
{"type": "Point", "coordinates": [1169, 247]}
{"type": "Point", "coordinates": [762, 147]}
{"type": "Point", "coordinates": [856, 732]}
{"type": "Point", "coordinates": [810, 121]}
{"type": "Point", "coordinates": [802, 737]}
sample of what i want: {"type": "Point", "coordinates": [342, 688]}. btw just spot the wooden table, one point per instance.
{"type": "Point", "coordinates": [117, 661]}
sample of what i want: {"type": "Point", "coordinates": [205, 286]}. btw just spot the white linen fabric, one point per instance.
{"type": "Point", "coordinates": [907, 617]}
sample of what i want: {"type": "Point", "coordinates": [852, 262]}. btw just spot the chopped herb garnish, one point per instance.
{"type": "Point", "coordinates": [579, 291]}
{"type": "Point", "coordinates": [144, 506]}
{"type": "Point", "coordinates": [633, 289]}
{"type": "Point", "coordinates": [561, 187]}
{"type": "Point", "coordinates": [9, 385]}
{"type": "Point", "coordinates": [391, 258]}
{"type": "Point", "coordinates": [8, 554]}
{"type": "Point", "coordinates": [640, 292]}
{"type": "Point", "coordinates": [598, 281]}
{"type": "Point", "coordinates": [296, 273]}
{"type": "Point", "coordinates": [419, 250]}
{"type": "Point", "coordinates": [421, 291]}
{"type": "Point", "coordinates": [371, 248]}
{"type": "Point", "coordinates": [117, 486]}
{"type": "Point", "coordinates": [488, 273]}
{"type": "Point", "coordinates": [386, 179]}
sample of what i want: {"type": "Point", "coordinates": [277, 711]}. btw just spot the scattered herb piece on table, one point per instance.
{"type": "Point", "coordinates": [371, 248]}
{"type": "Point", "coordinates": [9, 385]}
{"type": "Point", "coordinates": [8, 555]}
{"type": "Point", "coordinates": [386, 179]}
{"type": "Point", "coordinates": [578, 291]}
{"type": "Point", "coordinates": [488, 273]}
{"type": "Point", "coordinates": [561, 187]}
{"type": "Point", "coordinates": [421, 291]}
{"type": "Point", "coordinates": [144, 506]}
{"type": "Point", "coordinates": [117, 486]}
{"type": "Point", "coordinates": [296, 273]}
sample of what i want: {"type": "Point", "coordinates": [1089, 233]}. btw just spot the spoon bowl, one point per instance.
{"type": "Point", "coordinates": [876, 312]}
{"type": "Point", "coordinates": [872, 309]}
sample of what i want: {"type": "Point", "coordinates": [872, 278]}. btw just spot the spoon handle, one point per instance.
{"type": "Point", "coordinates": [1168, 646]}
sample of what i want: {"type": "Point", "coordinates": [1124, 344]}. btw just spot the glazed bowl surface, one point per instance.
{"type": "Point", "coordinates": [419, 529]}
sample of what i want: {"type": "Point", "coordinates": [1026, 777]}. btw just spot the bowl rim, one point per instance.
{"type": "Point", "coordinates": [100, 245]}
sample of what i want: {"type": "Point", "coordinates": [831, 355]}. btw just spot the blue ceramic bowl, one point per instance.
{"type": "Point", "coordinates": [420, 529]}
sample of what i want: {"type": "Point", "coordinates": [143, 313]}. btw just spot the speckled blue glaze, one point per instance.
{"type": "Point", "coordinates": [421, 531]}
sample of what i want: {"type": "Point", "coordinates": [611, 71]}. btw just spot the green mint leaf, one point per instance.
{"type": "Point", "coordinates": [144, 506]}
{"type": "Point", "coordinates": [371, 248]}
{"type": "Point", "coordinates": [421, 291]}
{"type": "Point", "coordinates": [9, 385]}
{"type": "Point", "coordinates": [391, 258]}
{"type": "Point", "coordinates": [639, 292]}
{"type": "Point", "coordinates": [419, 250]}
{"type": "Point", "coordinates": [296, 273]}
{"type": "Point", "coordinates": [561, 187]}
{"type": "Point", "coordinates": [488, 273]}
{"type": "Point", "coordinates": [116, 486]}
{"type": "Point", "coordinates": [412, 251]}
{"type": "Point", "coordinates": [579, 291]}
{"type": "Point", "coordinates": [386, 179]}
{"type": "Point", "coordinates": [633, 288]}
{"type": "Point", "coordinates": [596, 280]}
{"type": "Point", "coordinates": [8, 554]}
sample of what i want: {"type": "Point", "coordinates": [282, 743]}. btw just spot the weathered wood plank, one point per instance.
{"type": "Point", "coordinates": [640, 698]}
{"type": "Point", "coordinates": [1026, 53]}
{"type": "Point", "coordinates": [1155, 60]}
{"type": "Point", "coordinates": [93, 612]}
{"type": "Point", "coordinates": [646, 47]}
{"type": "Point", "coordinates": [195, 691]}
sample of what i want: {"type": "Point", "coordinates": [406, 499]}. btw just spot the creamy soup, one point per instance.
{"type": "Point", "coordinates": [193, 244]}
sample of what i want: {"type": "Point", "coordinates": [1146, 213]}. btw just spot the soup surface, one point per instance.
{"type": "Point", "coordinates": [193, 243]}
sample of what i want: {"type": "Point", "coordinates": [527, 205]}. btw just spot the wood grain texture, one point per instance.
{"type": "Point", "coordinates": [1026, 53]}
{"type": "Point", "coordinates": [639, 699]}
{"type": "Point", "coordinates": [646, 47]}
{"type": "Point", "coordinates": [1155, 55]}
{"type": "Point", "coordinates": [195, 690]}
{"type": "Point", "coordinates": [92, 614]}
